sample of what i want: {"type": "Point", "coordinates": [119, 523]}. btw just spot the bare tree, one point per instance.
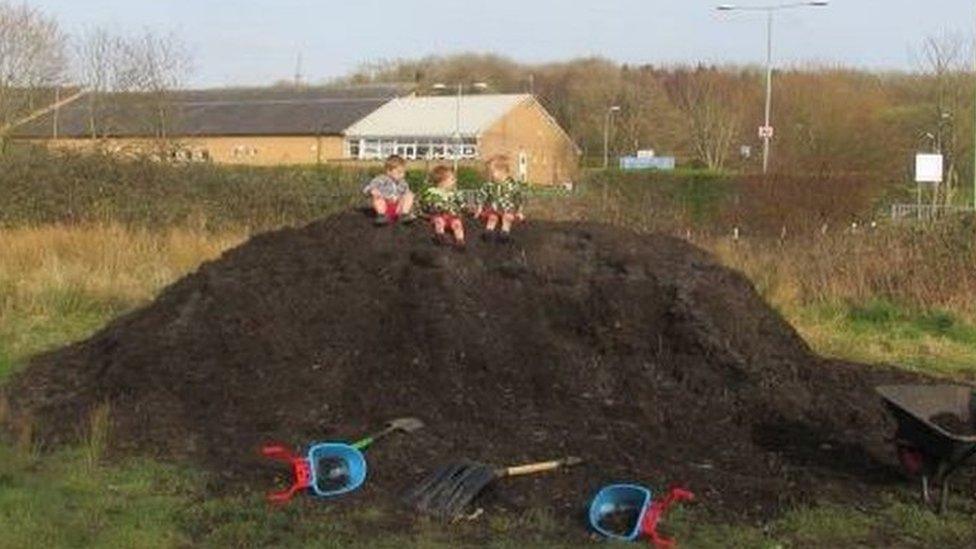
{"type": "Point", "coordinates": [155, 65]}
{"type": "Point", "coordinates": [944, 57]}
{"type": "Point", "coordinates": [32, 58]}
{"type": "Point", "coordinates": [141, 71]}
{"type": "Point", "coordinates": [97, 63]}
{"type": "Point", "coordinates": [710, 103]}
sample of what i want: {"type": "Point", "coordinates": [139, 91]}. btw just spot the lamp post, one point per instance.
{"type": "Point", "coordinates": [766, 131]}
{"type": "Point", "coordinates": [456, 137]}
{"type": "Point", "coordinates": [606, 134]}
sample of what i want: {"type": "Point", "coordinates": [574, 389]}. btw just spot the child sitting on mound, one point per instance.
{"type": "Point", "coordinates": [443, 204]}
{"type": "Point", "coordinates": [389, 194]}
{"type": "Point", "coordinates": [501, 200]}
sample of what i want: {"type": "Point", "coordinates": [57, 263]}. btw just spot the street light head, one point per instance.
{"type": "Point", "coordinates": [439, 86]}
{"type": "Point", "coordinates": [615, 108]}
{"type": "Point", "coordinates": [480, 85]}
{"type": "Point", "coordinates": [725, 7]}
{"type": "Point", "coordinates": [819, 3]}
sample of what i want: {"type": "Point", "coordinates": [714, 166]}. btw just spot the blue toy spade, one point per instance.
{"type": "Point", "coordinates": [331, 469]}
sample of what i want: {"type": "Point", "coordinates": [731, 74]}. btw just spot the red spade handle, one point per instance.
{"type": "Point", "coordinates": [300, 468]}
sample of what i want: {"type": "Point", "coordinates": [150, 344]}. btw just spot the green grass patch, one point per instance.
{"type": "Point", "coordinates": [50, 319]}
{"type": "Point", "coordinates": [933, 341]}
{"type": "Point", "coordinates": [66, 499]}
{"type": "Point", "coordinates": [61, 501]}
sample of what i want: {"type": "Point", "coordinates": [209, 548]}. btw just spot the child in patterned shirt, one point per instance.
{"type": "Point", "coordinates": [501, 200]}
{"type": "Point", "coordinates": [389, 194]}
{"type": "Point", "coordinates": [442, 203]}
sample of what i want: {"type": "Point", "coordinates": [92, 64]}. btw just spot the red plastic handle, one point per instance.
{"type": "Point", "coordinates": [300, 468]}
{"type": "Point", "coordinates": [656, 513]}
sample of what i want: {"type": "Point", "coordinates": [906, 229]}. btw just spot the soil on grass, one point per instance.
{"type": "Point", "coordinates": [955, 424]}
{"type": "Point", "coordinates": [636, 352]}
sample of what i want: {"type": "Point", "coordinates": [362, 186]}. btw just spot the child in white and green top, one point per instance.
{"type": "Point", "coordinates": [501, 200]}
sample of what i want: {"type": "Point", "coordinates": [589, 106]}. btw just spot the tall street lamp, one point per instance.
{"type": "Point", "coordinates": [766, 132]}
{"type": "Point", "coordinates": [456, 137]}
{"type": "Point", "coordinates": [606, 134]}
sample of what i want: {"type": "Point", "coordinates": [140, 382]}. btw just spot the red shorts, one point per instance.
{"type": "Point", "coordinates": [448, 219]}
{"type": "Point", "coordinates": [488, 212]}
{"type": "Point", "coordinates": [392, 209]}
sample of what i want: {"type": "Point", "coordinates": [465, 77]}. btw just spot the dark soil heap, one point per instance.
{"type": "Point", "coordinates": [954, 424]}
{"type": "Point", "coordinates": [638, 353]}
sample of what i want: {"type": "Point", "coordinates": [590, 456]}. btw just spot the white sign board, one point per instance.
{"type": "Point", "coordinates": [765, 132]}
{"type": "Point", "coordinates": [645, 153]}
{"type": "Point", "coordinates": [928, 168]}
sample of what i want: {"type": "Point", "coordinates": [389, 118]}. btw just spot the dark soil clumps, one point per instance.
{"type": "Point", "coordinates": [954, 424]}
{"type": "Point", "coordinates": [637, 352]}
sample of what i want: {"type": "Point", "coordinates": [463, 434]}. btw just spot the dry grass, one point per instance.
{"type": "Point", "coordinates": [95, 438]}
{"type": "Point", "coordinates": [932, 268]}
{"type": "Point", "coordinates": [108, 262]}
{"type": "Point", "coordinates": [897, 294]}
{"type": "Point", "coordinates": [59, 282]}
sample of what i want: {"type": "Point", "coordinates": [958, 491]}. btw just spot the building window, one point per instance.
{"type": "Point", "coordinates": [412, 148]}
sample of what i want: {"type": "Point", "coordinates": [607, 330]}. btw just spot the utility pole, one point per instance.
{"type": "Point", "coordinates": [456, 138]}
{"type": "Point", "coordinates": [298, 71]}
{"type": "Point", "coordinates": [606, 135]}
{"type": "Point", "coordinates": [457, 128]}
{"type": "Point", "coordinates": [769, 89]}
{"type": "Point", "coordinates": [766, 132]}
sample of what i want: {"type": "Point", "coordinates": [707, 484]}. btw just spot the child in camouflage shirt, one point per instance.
{"type": "Point", "coordinates": [443, 204]}
{"type": "Point", "coordinates": [501, 200]}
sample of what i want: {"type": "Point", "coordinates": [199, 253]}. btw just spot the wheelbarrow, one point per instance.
{"type": "Point", "coordinates": [924, 447]}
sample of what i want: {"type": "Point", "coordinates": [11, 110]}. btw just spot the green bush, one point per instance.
{"type": "Point", "coordinates": [40, 187]}
{"type": "Point", "coordinates": [467, 178]}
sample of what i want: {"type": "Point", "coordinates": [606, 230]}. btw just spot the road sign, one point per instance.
{"type": "Point", "coordinates": [928, 168]}
{"type": "Point", "coordinates": [765, 132]}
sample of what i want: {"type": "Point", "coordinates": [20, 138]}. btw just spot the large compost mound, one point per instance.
{"type": "Point", "coordinates": [636, 352]}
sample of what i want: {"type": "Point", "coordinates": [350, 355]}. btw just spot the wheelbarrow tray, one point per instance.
{"type": "Point", "coordinates": [914, 405]}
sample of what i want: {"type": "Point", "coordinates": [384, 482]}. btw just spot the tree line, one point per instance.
{"type": "Point", "coordinates": [827, 119]}
{"type": "Point", "coordinates": [40, 63]}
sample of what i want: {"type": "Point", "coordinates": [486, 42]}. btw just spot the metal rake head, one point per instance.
{"type": "Point", "coordinates": [448, 490]}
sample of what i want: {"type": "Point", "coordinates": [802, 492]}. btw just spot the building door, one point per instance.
{"type": "Point", "coordinates": [523, 166]}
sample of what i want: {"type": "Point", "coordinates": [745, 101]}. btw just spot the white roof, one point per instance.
{"type": "Point", "coordinates": [435, 116]}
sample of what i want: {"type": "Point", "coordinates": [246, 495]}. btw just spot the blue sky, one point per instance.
{"type": "Point", "coordinates": [257, 41]}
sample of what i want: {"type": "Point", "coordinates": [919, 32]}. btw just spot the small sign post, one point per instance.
{"type": "Point", "coordinates": [765, 132]}
{"type": "Point", "coordinates": [928, 168]}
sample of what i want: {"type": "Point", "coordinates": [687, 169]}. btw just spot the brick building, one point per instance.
{"type": "Point", "coordinates": [270, 126]}
{"type": "Point", "coordinates": [475, 127]}
{"type": "Point", "coordinates": [260, 126]}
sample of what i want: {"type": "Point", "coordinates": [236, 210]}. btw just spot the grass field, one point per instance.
{"type": "Point", "coordinates": [59, 284]}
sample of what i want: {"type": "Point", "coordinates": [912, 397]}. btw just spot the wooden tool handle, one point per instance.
{"type": "Point", "coordinates": [540, 467]}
